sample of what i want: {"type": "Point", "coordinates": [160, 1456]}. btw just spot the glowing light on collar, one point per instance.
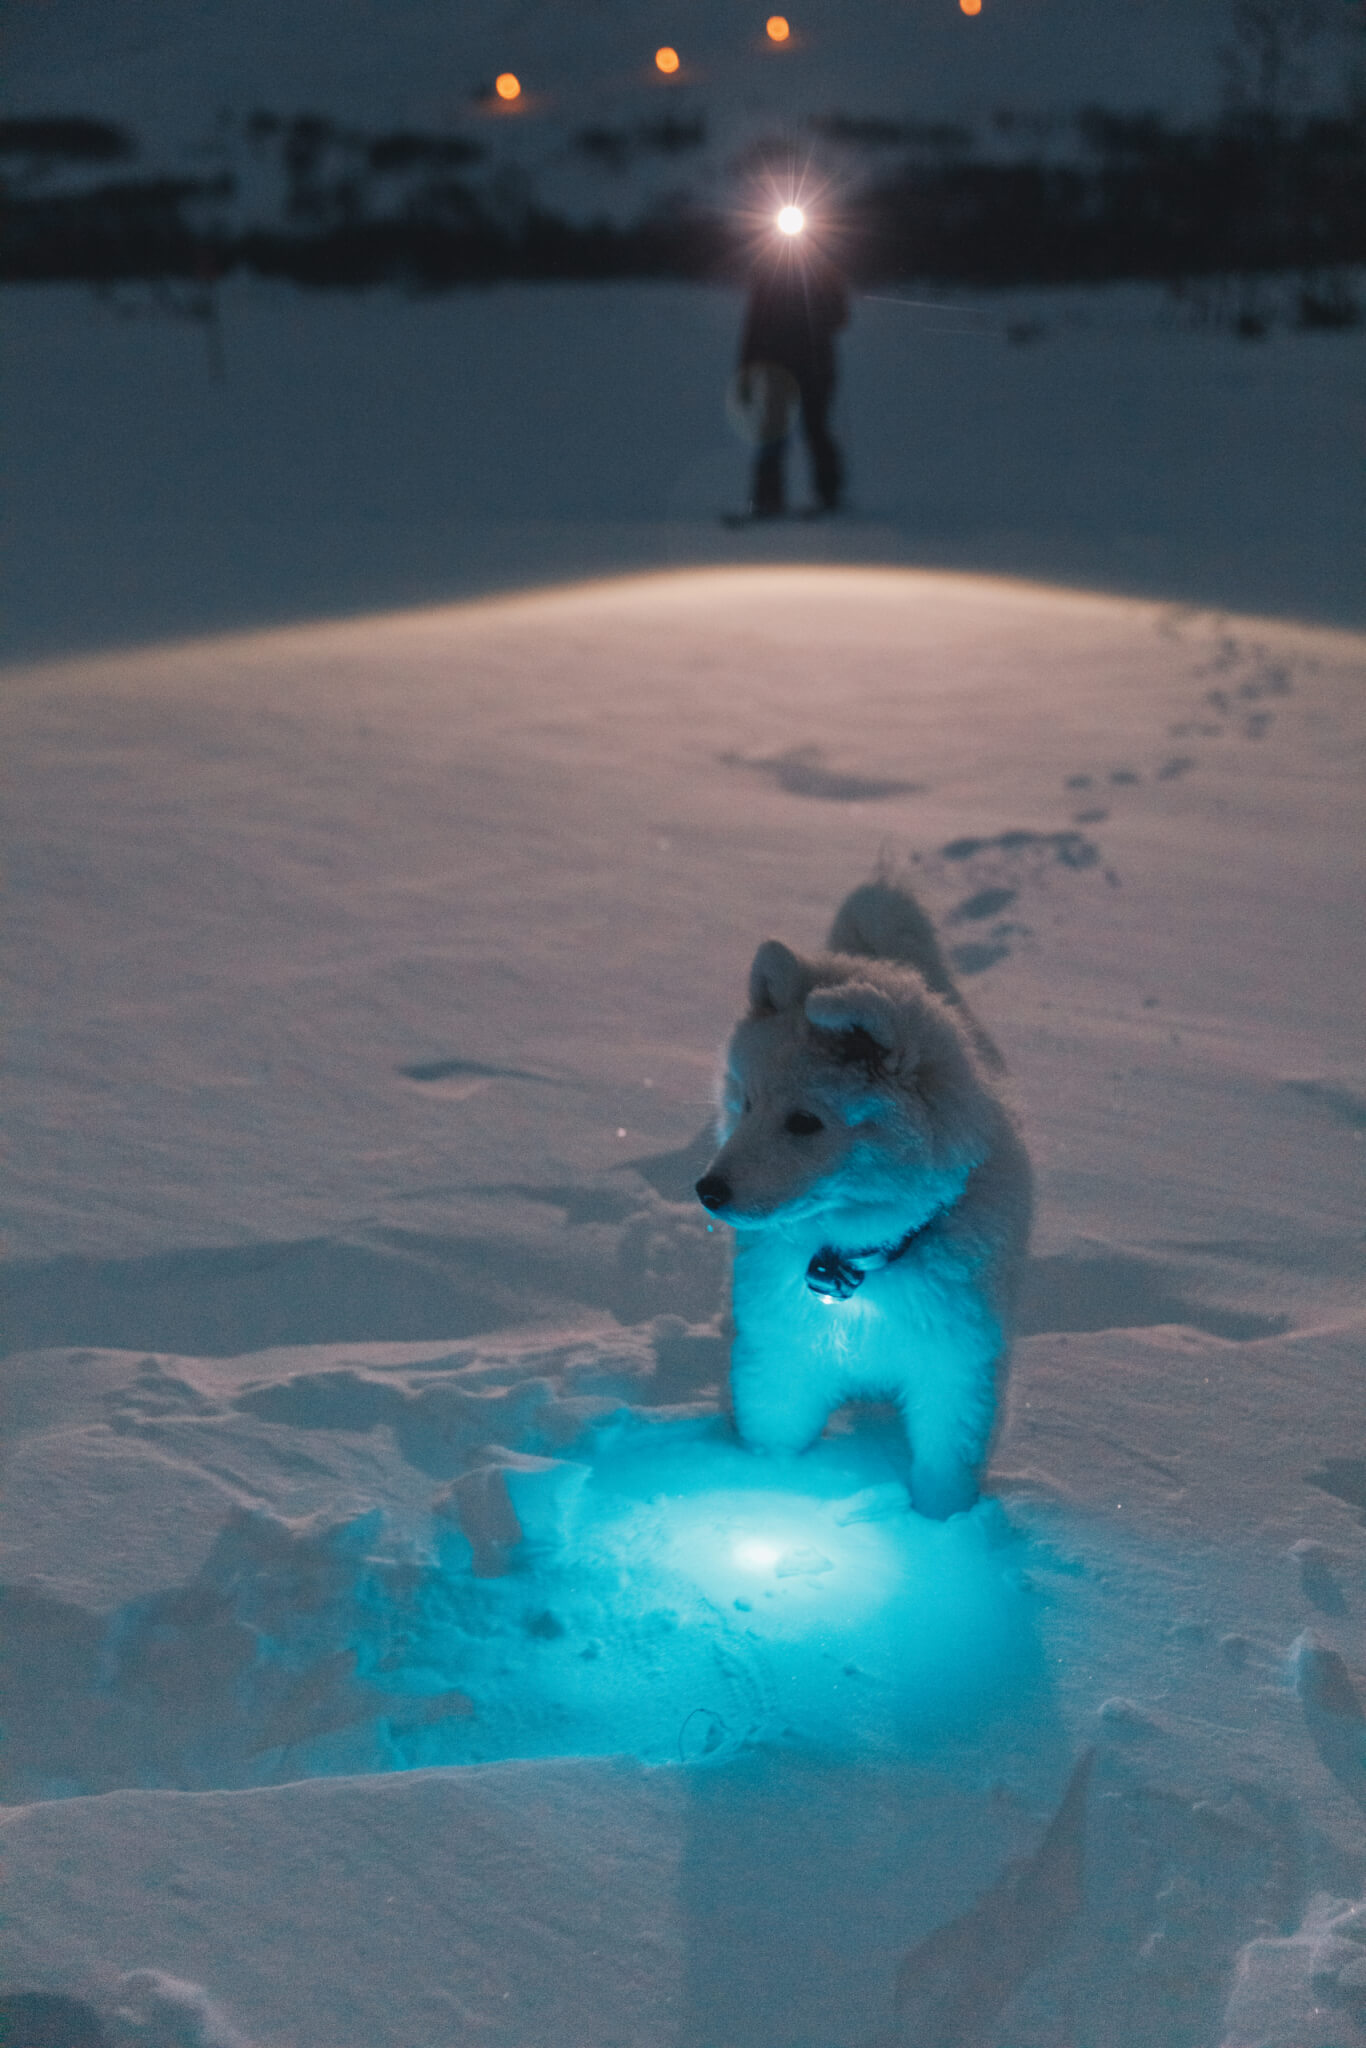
{"type": "Point", "coordinates": [834, 1275]}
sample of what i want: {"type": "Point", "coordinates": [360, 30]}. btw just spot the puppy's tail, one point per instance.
{"type": "Point", "coordinates": [881, 920]}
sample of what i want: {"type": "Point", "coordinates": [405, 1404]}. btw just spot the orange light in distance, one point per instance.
{"type": "Point", "coordinates": [508, 86]}
{"type": "Point", "coordinates": [777, 28]}
{"type": "Point", "coordinates": [971, 6]}
{"type": "Point", "coordinates": [666, 60]}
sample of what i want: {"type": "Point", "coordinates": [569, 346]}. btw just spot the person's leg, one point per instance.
{"type": "Point", "coordinates": [827, 463]}
{"type": "Point", "coordinates": [767, 493]}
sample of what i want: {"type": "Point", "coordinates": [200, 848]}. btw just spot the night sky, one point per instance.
{"type": "Point", "coordinates": [170, 68]}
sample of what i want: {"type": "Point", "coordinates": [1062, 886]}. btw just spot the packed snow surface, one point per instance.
{"type": "Point", "coordinates": [399, 1648]}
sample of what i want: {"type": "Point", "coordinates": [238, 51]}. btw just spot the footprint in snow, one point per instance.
{"type": "Point", "coordinates": [801, 771]}
{"type": "Point", "coordinates": [1333, 1713]}
{"type": "Point", "coordinates": [456, 1080]}
{"type": "Point", "coordinates": [1318, 1581]}
{"type": "Point", "coordinates": [974, 956]}
{"type": "Point", "coordinates": [978, 954]}
{"type": "Point", "coordinates": [1031, 850]}
{"type": "Point", "coordinates": [1345, 1479]}
{"type": "Point", "coordinates": [986, 903]}
{"type": "Point", "coordinates": [1345, 1105]}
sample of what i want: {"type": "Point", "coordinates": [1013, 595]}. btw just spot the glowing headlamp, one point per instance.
{"type": "Point", "coordinates": [790, 221]}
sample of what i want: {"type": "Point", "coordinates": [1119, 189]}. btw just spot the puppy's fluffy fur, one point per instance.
{"type": "Point", "coordinates": [862, 1114]}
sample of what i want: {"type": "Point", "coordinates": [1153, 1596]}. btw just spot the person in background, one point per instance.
{"type": "Point", "coordinates": [798, 302]}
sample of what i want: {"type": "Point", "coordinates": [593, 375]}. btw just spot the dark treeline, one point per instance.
{"type": "Point", "coordinates": [1106, 199]}
{"type": "Point", "coordinates": [123, 228]}
{"type": "Point", "coordinates": [1136, 200]}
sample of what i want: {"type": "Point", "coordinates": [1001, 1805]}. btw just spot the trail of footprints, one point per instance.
{"type": "Point", "coordinates": [983, 927]}
{"type": "Point", "coordinates": [1246, 673]}
{"type": "Point", "coordinates": [1241, 677]}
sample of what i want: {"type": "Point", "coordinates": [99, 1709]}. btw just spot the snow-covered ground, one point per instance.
{"type": "Point", "coordinates": [398, 1651]}
{"type": "Point", "coordinates": [364, 452]}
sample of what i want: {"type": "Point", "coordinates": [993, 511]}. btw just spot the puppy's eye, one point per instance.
{"type": "Point", "coordinates": [802, 1124]}
{"type": "Point", "coordinates": [748, 1106]}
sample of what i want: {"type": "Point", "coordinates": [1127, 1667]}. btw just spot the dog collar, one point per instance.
{"type": "Point", "coordinates": [835, 1275]}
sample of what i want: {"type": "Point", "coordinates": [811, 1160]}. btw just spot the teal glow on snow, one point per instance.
{"type": "Point", "coordinates": [672, 1597]}
{"type": "Point", "coordinates": [795, 1599]}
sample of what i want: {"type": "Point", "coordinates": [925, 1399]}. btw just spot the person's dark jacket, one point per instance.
{"type": "Point", "coordinates": [798, 303]}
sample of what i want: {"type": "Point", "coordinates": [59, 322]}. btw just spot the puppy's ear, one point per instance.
{"type": "Point", "coordinates": [775, 979]}
{"type": "Point", "coordinates": [863, 1021]}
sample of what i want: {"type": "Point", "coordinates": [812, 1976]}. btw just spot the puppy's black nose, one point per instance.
{"type": "Point", "coordinates": [713, 1191]}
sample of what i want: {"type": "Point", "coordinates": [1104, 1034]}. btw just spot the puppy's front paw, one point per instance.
{"type": "Point", "coordinates": [937, 1494]}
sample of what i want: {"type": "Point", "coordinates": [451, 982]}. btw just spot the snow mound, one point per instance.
{"type": "Point", "coordinates": [157, 2011]}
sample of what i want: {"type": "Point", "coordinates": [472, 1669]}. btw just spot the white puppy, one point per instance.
{"type": "Point", "coordinates": [879, 1192]}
